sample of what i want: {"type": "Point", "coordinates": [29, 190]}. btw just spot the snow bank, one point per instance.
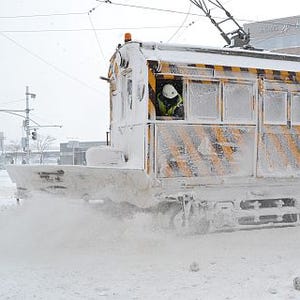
{"type": "Point", "coordinates": [7, 191]}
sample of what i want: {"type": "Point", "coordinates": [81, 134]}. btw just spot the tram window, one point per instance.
{"type": "Point", "coordinates": [203, 100]}
{"type": "Point", "coordinates": [169, 103]}
{"type": "Point", "coordinates": [126, 94]}
{"type": "Point", "coordinates": [275, 107]}
{"type": "Point", "coordinates": [238, 102]}
{"type": "Point", "coordinates": [123, 98]}
{"type": "Point", "coordinates": [295, 109]}
{"type": "Point", "coordinates": [129, 92]}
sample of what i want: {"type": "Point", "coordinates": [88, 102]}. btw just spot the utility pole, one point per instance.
{"type": "Point", "coordinates": [26, 123]}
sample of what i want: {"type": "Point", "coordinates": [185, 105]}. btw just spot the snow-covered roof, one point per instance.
{"type": "Point", "coordinates": [219, 56]}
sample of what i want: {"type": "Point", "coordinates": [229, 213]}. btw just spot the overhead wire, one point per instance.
{"type": "Point", "coordinates": [191, 13]}
{"type": "Point", "coordinates": [182, 24]}
{"type": "Point", "coordinates": [57, 69]}
{"type": "Point", "coordinates": [271, 22]}
{"type": "Point", "coordinates": [19, 115]}
{"type": "Point", "coordinates": [41, 118]}
{"type": "Point", "coordinates": [90, 29]}
{"type": "Point", "coordinates": [186, 27]}
{"type": "Point", "coordinates": [193, 22]}
{"type": "Point", "coordinates": [43, 15]}
{"type": "Point", "coordinates": [13, 101]}
{"type": "Point", "coordinates": [95, 32]}
{"type": "Point", "coordinates": [94, 29]}
{"type": "Point", "coordinates": [149, 8]}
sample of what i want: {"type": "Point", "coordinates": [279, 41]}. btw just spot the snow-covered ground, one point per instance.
{"type": "Point", "coordinates": [69, 250]}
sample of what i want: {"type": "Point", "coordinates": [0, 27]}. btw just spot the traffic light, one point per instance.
{"type": "Point", "coordinates": [34, 135]}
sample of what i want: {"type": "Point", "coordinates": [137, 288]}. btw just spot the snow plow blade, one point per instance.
{"type": "Point", "coordinates": [81, 182]}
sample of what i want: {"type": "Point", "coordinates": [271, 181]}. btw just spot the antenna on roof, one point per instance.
{"type": "Point", "coordinates": [237, 38]}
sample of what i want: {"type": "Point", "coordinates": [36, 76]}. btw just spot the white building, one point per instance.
{"type": "Point", "coordinates": [278, 35]}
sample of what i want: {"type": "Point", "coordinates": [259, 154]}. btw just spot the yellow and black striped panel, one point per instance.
{"type": "Point", "coordinates": [227, 71]}
{"type": "Point", "coordinates": [276, 79]}
{"type": "Point", "coordinates": [152, 67]}
{"type": "Point", "coordinates": [203, 150]}
{"type": "Point", "coordinates": [113, 70]}
{"type": "Point", "coordinates": [112, 75]}
{"type": "Point", "coordinates": [281, 86]}
{"type": "Point", "coordinates": [150, 156]}
{"type": "Point", "coordinates": [199, 150]}
{"type": "Point", "coordinates": [110, 69]}
{"type": "Point", "coordinates": [279, 151]}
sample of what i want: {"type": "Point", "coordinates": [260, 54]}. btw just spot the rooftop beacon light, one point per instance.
{"type": "Point", "coordinates": [127, 37]}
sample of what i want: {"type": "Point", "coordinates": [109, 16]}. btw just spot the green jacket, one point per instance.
{"type": "Point", "coordinates": [171, 110]}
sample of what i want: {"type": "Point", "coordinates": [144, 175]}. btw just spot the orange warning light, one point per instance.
{"type": "Point", "coordinates": [127, 37]}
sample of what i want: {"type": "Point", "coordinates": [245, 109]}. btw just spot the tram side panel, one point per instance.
{"type": "Point", "coordinates": [279, 138]}
{"type": "Point", "coordinates": [216, 137]}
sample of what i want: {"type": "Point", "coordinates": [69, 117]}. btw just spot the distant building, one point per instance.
{"type": "Point", "coordinates": [47, 157]}
{"type": "Point", "coordinates": [73, 152]}
{"type": "Point", "coordinates": [277, 35]}
{"type": "Point", "coordinates": [1, 142]}
{"type": "Point", "coordinates": [70, 153]}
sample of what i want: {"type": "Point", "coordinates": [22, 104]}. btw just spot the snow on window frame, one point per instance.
{"type": "Point", "coordinates": [126, 93]}
{"type": "Point", "coordinates": [284, 121]}
{"type": "Point", "coordinates": [220, 103]}
{"type": "Point", "coordinates": [293, 96]}
{"type": "Point", "coordinates": [251, 103]}
{"type": "Point", "coordinates": [204, 119]}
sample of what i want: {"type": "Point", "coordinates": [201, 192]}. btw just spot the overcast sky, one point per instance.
{"type": "Point", "coordinates": [51, 47]}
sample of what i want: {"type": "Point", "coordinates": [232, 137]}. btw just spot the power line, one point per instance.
{"type": "Point", "coordinates": [38, 117]}
{"type": "Point", "coordinates": [95, 32]}
{"type": "Point", "coordinates": [149, 8]}
{"type": "Point", "coordinates": [43, 15]}
{"type": "Point", "coordinates": [10, 102]}
{"type": "Point", "coordinates": [190, 13]}
{"type": "Point", "coordinates": [186, 28]}
{"type": "Point", "coordinates": [89, 29]}
{"type": "Point", "coordinates": [57, 69]}
{"type": "Point", "coordinates": [182, 24]}
{"type": "Point", "coordinates": [132, 6]}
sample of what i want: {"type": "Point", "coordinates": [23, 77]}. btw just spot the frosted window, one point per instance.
{"type": "Point", "coordinates": [295, 109]}
{"type": "Point", "coordinates": [238, 102]}
{"type": "Point", "coordinates": [275, 107]}
{"type": "Point", "coordinates": [129, 92]}
{"type": "Point", "coordinates": [203, 100]}
{"type": "Point", "coordinates": [124, 97]}
{"type": "Point", "coordinates": [126, 94]}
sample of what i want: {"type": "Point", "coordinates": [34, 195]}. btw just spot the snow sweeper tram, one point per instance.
{"type": "Point", "coordinates": [226, 147]}
{"type": "Point", "coordinates": [208, 137]}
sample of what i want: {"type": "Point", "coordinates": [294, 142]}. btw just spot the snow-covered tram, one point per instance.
{"type": "Point", "coordinates": [234, 154]}
{"type": "Point", "coordinates": [225, 154]}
